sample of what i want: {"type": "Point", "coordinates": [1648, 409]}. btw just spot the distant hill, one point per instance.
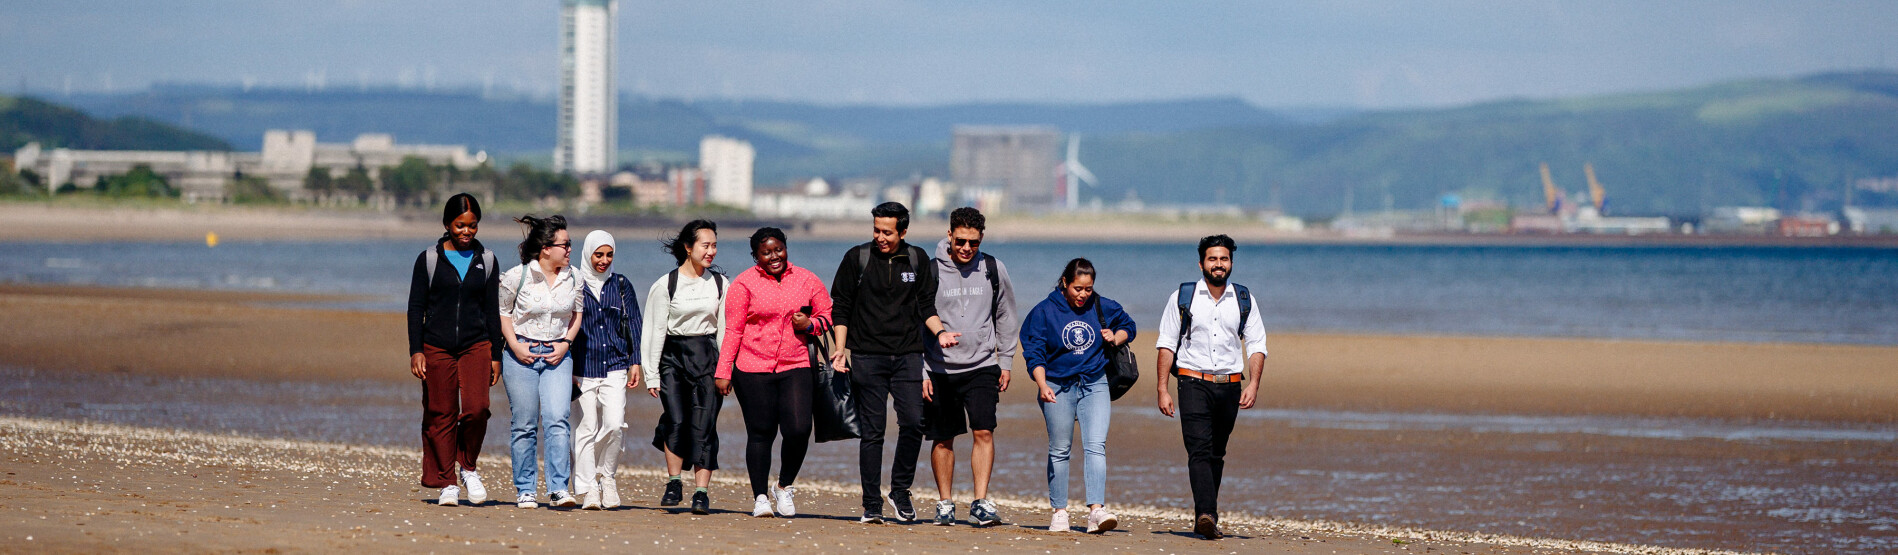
{"type": "Point", "coordinates": [1790, 143]}
{"type": "Point", "coordinates": [1793, 144]}
{"type": "Point", "coordinates": [26, 120]}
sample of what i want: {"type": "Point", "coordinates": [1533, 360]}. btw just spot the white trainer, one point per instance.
{"type": "Point", "coordinates": [761, 507]}
{"type": "Point", "coordinates": [592, 502]}
{"type": "Point", "coordinates": [787, 505]}
{"type": "Point", "coordinates": [526, 500]}
{"type": "Point", "coordinates": [449, 497]}
{"type": "Point", "coordinates": [476, 493]}
{"type": "Point", "coordinates": [609, 493]}
{"type": "Point", "coordinates": [1060, 521]}
{"type": "Point", "coordinates": [1100, 521]}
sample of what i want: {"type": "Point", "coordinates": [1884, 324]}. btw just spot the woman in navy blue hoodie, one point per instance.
{"type": "Point", "coordinates": [1063, 339]}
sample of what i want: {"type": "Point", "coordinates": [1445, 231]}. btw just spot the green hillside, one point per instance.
{"type": "Point", "coordinates": [25, 120]}
{"type": "Point", "coordinates": [1794, 144]}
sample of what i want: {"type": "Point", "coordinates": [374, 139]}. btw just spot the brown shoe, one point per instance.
{"type": "Point", "coordinates": [1207, 527]}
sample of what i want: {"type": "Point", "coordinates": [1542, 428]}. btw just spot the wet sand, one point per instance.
{"type": "Point", "coordinates": [1301, 465]}
{"type": "Point", "coordinates": [106, 488]}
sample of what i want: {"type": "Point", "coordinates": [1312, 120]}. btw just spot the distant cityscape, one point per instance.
{"type": "Point", "coordinates": [1012, 168]}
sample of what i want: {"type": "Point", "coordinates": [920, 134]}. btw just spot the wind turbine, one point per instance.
{"type": "Point", "coordinates": [1073, 173]}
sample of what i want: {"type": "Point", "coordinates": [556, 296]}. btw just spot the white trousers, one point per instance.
{"type": "Point", "coordinates": [596, 440]}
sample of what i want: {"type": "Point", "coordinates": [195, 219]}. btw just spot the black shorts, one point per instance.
{"type": "Point", "coordinates": [962, 402]}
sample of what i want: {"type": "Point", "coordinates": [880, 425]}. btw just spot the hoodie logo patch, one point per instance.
{"type": "Point", "coordinates": [1077, 336]}
{"type": "Point", "coordinates": [909, 277]}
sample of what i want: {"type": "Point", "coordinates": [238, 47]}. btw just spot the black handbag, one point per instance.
{"type": "Point", "coordinates": [833, 408]}
{"type": "Point", "coordinates": [1123, 371]}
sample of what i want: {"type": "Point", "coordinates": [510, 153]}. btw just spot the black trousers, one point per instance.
{"type": "Point", "coordinates": [1207, 411]}
{"type": "Point", "coordinates": [874, 381]}
{"type": "Point", "coordinates": [775, 403]}
{"type": "Point", "coordinates": [689, 425]}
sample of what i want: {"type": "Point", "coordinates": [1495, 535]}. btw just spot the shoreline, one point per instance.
{"type": "Point", "coordinates": [53, 222]}
{"type": "Point", "coordinates": [270, 501]}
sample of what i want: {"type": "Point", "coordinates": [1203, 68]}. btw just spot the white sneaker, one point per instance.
{"type": "Point", "coordinates": [609, 493]}
{"type": "Point", "coordinates": [526, 500]}
{"type": "Point", "coordinates": [1060, 521]}
{"type": "Point", "coordinates": [476, 493]}
{"type": "Point", "coordinates": [449, 497]}
{"type": "Point", "coordinates": [761, 507]}
{"type": "Point", "coordinates": [561, 499]}
{"type": "Point", "coordinates": [1100, 521]}
{"type": "Point", "coordinates": [592, 502]}
{"type": "Point", "coordinates": [786, 502]}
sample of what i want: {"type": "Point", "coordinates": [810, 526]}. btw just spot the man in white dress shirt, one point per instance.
{"type": "Point", "coordinates": [1210, 338]}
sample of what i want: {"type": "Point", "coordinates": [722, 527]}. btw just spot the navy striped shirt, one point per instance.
{"type": "Point", "coordinates": [602, 346]}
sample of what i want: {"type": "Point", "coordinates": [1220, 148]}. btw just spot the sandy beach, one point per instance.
{"type": "Point", "coordinates": [82, 463]}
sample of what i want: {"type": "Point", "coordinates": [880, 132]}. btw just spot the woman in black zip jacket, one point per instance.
{"type": "Point", "coordinates": [455, 349]}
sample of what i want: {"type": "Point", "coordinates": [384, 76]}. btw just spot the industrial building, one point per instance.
{"type": "Point", "coordinates": [727, 166]}
{"type": "Point", "coordinates": [1022, 162]}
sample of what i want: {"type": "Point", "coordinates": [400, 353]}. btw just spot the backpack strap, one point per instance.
{"type": "Point", "coordinates": [487, 256]}
{"type": "Point", "coordinates": [995, 288]}
{"type": "Point", "coordinates": [431, 259]}
{"type": "Point", "coordinates": [672, 284]}
{"type": "Point", "coordinates": [863, 266]}
{"type": "Point", "coordinates": [718, 280]}
{"type": "Point", "coordinates": [1185, 300]}
{"type": "Point", "coordinates": [1245, 311]}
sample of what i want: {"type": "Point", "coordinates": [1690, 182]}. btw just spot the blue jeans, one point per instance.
{"type": "Point", "coordinates": [1088, 401]}
{"type": "Point", "coordinates": [544, 391]}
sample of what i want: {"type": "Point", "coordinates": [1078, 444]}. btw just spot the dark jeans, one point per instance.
{"type": "Point", "coordinates": [775, 403]}
{"type": "Point", "coordinates": [875, 380]}
{"type": "Point", "coordinates": [454, 410]}
{"type": "Point", "coordinates": [1207, 411]}
{"type": "Point", "coordinates": [689, 425]}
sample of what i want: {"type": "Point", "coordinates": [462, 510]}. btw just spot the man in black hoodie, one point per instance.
{"type": "Point", "coordinates": [884, 294]}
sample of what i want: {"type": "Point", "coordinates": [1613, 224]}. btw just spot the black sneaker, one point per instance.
{"type": "Point", "coordinates": [871, 517]}
{"type": "Point", "coordinates": [899, 500]}
{"type": "Point", "coordinates": [1207, 527]}
{"type": "Point", "coordinates": [701, 503]}
{"type": "Point", "coordinates": [675, 492]}
{"type": "Point", "coordinates": [982, 511]}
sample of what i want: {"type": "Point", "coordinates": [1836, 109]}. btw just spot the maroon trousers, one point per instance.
{"type": "Point", "coordinates": [454, 411]}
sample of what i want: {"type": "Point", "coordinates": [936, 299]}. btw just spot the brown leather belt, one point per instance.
{"type": "Point", "coordinates": [1215, 378]}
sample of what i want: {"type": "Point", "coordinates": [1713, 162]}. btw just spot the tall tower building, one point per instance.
{"type": "Point", "coordinates": [1018, 161]}
{"type": "Point", "coordinates": [727, 166]}
{"type": "Point", "coordinates": [589, 106]}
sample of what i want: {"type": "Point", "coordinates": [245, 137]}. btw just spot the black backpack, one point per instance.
{"type": "Point", "coordinates": [1123, 369]}
{"type": "Point", "coordinates": [1186, 312]}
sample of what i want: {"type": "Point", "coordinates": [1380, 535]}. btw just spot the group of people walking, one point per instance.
{"type": "Point", "coordinates": [933, 336]}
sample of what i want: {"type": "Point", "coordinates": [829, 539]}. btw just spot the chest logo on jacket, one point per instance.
{"type": "Point", "coordinates": [1077, 336]}
{"type": "Point", "coordinates": [909, 277]}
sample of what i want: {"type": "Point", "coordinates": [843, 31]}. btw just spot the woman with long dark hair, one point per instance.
{"type": "Point", "coordinates": [773, 309]}
{"type": "Point", "coordinates": [1063, 339]}
{"type": "Point", "coordinates": [540, 307]}
{"type": "Point", "coordinates": [685, 321]}
{"type": "Point", "coordinates": [455, 349]}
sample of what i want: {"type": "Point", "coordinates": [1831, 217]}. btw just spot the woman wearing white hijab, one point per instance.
{"type": "Point", "coordinates": [608, 351]}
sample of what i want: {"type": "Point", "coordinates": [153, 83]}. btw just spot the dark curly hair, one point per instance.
{"type": "Point", "coordinates": [758, 237]}
{"type": "Point", "coordinates": [540, 233]}
{"type": "Point", "coordinates": [968, 217]}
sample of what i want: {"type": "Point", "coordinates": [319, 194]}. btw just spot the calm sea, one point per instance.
{"type": "Point", "coordinates": [1825, 295]}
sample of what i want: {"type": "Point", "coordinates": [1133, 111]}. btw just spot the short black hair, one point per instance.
{"type": "Point", "coordinates": [461, 203]}
{"type": "Point", "coordinates": [1220, 240]}
{"type": "Point", "coordinates": [968, 217]}
{"type": "Point", "coordinates": [758, 238]}
{"type": "Point", "coordinates": [893, 210]}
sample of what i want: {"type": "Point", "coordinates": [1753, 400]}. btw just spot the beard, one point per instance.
{"type": "Point", "coordinates": [1219, 281]}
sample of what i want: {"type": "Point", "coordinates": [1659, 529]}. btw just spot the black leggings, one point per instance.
{"type": "Point", "coordinates": [774, 403]}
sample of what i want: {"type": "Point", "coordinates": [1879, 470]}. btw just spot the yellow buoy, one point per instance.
{"type": "Point", "coordinates": [210, 239]}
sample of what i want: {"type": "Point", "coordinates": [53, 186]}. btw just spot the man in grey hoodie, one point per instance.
{"type": "Point", "coordinates": [964, 382]}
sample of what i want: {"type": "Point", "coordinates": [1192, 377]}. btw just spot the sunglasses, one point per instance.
{"type": "Point", "coordinates": [968, 242]}
{"type": "Point", "coordinates": [567, 245]}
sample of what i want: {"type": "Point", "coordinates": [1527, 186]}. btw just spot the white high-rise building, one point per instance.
{"type": "Point", "coordinates": [589, 106]}
{"type": "Point", "coordinates": [727, 166]}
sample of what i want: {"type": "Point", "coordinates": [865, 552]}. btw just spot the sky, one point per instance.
{"type": "Point", "coordinates": [1357, 54]}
